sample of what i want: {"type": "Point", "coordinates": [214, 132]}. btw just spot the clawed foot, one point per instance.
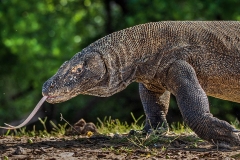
{"type": "Point", "coordinates": [224, 135]}
{"type": "Point", "coordinates": [217, 131]}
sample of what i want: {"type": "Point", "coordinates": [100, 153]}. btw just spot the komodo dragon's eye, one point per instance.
{"type": "Point", "coordinates": [77, 69]}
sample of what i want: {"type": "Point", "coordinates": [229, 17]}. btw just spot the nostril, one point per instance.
{"type": "Point", "coordinates": [48, 87]}
{"type": "Point", "coordinates": [44, 92]}
{"type": "Point", "coordinates": [45, 88]}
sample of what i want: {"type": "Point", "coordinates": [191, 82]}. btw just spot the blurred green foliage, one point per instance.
{"type": "Point", "coordinates": [36, 37]}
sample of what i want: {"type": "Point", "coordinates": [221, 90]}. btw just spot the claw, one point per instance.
{"type": "Point", "coordinates": [236, 130]}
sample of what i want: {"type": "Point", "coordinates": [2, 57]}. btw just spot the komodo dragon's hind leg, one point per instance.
{"type": "Point", "coordinates": [155, 107]}
{"type": "Point", "coordinates": [182, 82]}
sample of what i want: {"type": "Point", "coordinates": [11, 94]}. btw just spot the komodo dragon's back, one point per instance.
{"type": "Point", "coordinates": [222, 34]}
{"type": "Point", "coordinates": [189, 59]}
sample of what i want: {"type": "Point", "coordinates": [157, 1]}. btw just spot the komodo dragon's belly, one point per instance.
{"type": "Point", "coordinates": [219, 75]}
{"type": "Point", "coordinates": [227, 88]}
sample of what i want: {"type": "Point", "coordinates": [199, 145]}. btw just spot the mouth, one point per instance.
{"type": "Point", "coordinates": [54, 99]}
{"type": "Point", "coordinates": [57, 99]}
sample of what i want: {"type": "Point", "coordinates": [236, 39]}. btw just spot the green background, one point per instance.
{"type": "Point", "coordinates": [36, 37]}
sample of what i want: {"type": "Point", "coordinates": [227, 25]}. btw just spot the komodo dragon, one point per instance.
{"type": "Point", "coordinates": [190, 59]}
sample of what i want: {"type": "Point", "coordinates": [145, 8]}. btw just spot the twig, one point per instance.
{"type": "Point", "coordinates": [61, 118]}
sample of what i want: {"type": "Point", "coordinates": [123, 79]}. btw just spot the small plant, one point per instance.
{"type": "Point", "coordinates": [135, 125]}
{"type": "Point", "coordinates": [109, 125]}
{"type": "Point", "coordinates": [236, 123]}
{"type": "Point", "coordinates": [8, 132]}
{"type": "Point", "coordinates": [30, 141]}
{"type": "Point", "coordinates": [163, 149]}
{"type": "Point", "coordinates": [58, 129]}
{"type": "Point", "coordinates": [43, 122]}
{"type": "Point", "coordinates": [180, 128]}
{"type": "Point", "coordinates": [195, 145]}
{"type": "Point", "coordinates": [150, 140]}
{"type": "Point", "coordinates": [138, 142]}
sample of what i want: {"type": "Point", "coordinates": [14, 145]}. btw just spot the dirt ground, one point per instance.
{"type": "Point", "coordinates": [103, 147]}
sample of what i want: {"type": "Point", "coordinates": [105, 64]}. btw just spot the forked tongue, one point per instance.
{"type": "Point", "coordinates": [29, 117]}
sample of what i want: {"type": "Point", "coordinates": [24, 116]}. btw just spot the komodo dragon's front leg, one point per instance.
{"type": "Point", "coordinates": [193, 103]}
{"type": "Point", "coordinates": [155, 107]}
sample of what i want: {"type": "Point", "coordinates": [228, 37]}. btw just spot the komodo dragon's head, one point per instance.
{"type": "Point", "coordinates": [84, 73]}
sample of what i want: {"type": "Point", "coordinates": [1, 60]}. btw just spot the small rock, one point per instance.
{"type": "Point", "coordinates": [132, 132]}
{"type": "Point", "coordinates": [117, 136]}
{"type": "Point", "coordinates": [136, 132]}
{"type": "Point", "coordinates": [82, 128]}
{"type": "Point", "coordinates": [101, 155]}
{"type": "Point", "coordinates": [19, 151]}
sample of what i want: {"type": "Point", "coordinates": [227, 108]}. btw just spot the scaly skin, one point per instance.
{"type": "Point", "coordinates": [155, 106]}
{"type": "Point", "coordinates": [187, 59]}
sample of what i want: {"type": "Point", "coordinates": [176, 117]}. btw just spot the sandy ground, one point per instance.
{"type": "Point", "coordinates": [103, 147]}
